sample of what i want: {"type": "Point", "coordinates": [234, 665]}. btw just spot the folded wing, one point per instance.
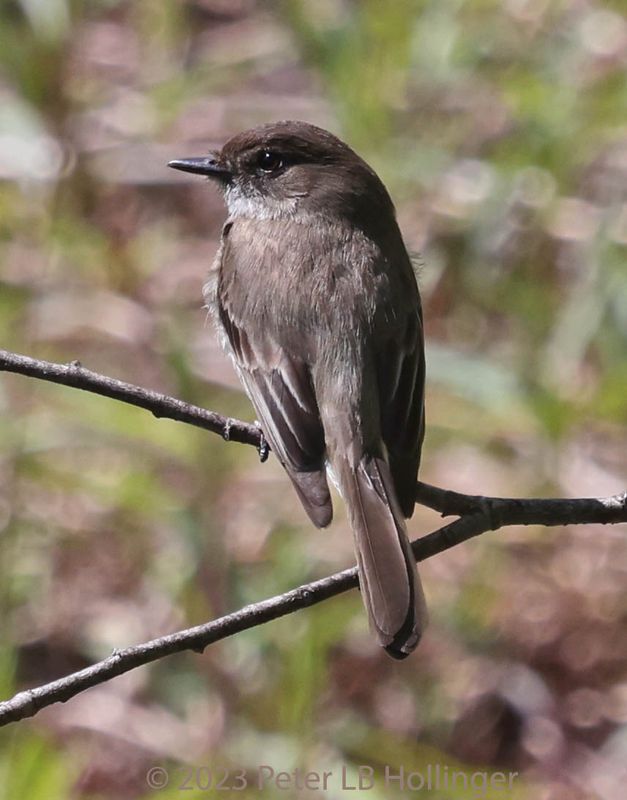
{"type": "Point", "coordinates": [280, 388]}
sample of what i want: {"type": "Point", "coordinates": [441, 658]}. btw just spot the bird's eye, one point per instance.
{"type": "Point", "coordinates": [269, 161]}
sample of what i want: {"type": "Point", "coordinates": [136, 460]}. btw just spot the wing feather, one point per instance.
{"type": "Point", "coordinates": [401, 374]}
{"type": "Point", "coordinates": [281, 390]}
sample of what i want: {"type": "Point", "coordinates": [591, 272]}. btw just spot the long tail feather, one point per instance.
{"type": "Point", "coordinates": [389, 581]}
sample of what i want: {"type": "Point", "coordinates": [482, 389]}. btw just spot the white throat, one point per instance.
{"type": "Point", "coordinates": [249, 203]}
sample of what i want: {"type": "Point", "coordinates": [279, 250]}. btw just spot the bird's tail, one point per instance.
{"type": "Point", "coordinates": [389, 582]}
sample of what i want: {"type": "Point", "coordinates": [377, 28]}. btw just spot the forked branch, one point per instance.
{"type": "Point", "coordinates": [477, 514]}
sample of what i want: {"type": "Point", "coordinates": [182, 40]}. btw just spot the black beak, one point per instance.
{"type": "Point", "coordinates": [207, 165]}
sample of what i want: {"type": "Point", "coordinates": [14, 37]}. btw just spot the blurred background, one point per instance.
{"type": "Point", "coordinates": [500, 129]}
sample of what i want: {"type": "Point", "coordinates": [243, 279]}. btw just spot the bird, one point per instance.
{"type": "Point", "coordinates": [315, 299]}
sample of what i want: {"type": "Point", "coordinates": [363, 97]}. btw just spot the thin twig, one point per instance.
{"type": "Point", "coordinates": [478, 514]}
{"type": "Point", "coordinates": [75, 375]}
{"type": "Point", "coordinates": [518, 511]}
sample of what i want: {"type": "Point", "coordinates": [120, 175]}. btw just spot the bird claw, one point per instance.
{"type": "Point", "coordinates": [263, 447]}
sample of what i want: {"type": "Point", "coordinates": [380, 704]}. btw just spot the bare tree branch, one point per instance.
{"type": "Point", "coordinates": [477, 514]}
{"type": "Point", "coordinates": [516, 511]}
{"type": "Point", "coordinates": [489, 513]}
{"type": "Point", "coordinates": [163, 406]}
{"type": "Point", "coordinates": [75, 375]}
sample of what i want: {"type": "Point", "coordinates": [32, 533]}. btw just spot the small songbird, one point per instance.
{"type": "Point", "coordinates": [315, 297]}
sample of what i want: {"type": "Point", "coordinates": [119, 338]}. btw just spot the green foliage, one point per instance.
{"type": "Point", "coordinates": [30, 767]}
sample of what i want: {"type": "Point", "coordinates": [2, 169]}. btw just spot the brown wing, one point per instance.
{"type": "Point", "coordinates": [401, 375]}
{"type": "Point", "coordinates": [280, 388]}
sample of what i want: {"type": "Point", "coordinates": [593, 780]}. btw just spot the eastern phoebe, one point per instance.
{"type": "Point", "coordinates": [316, 300]}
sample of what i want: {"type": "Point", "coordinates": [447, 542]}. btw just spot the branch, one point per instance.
{"type": "Point", "coordinates": [488, 513]}
{"type": "Point", "coordinates": [444, 501]}
{"type": "Point", "coordinates": [478, 514]}
{"type": "Point", "coordinates": [501, 511]}
{"type": "Point", "coordinates": [75, 375]}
